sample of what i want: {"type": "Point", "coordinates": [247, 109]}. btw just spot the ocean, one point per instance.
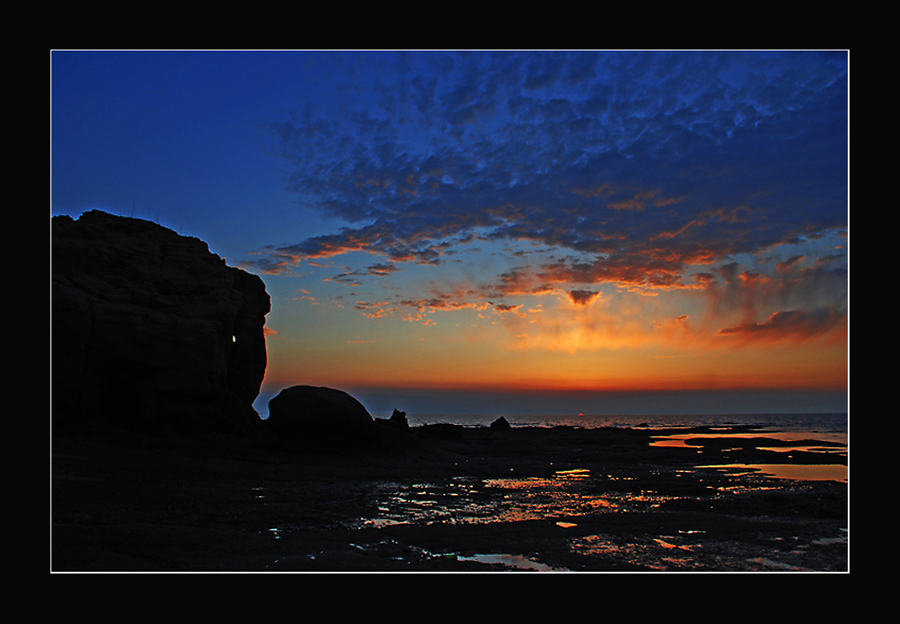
{"type": "Point", "coordinates": [784, 411]}
{"type": "Point", "coordinates": [782, 408]}
{"type": "Point", "coordinates": [830, 424]}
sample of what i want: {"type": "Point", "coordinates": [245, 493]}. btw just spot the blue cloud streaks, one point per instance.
{"type": "Point", "coordinates": [636, 167]}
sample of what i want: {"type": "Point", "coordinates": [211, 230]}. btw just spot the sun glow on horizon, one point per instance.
{"type": "Point", "coordinates": [615, 340]}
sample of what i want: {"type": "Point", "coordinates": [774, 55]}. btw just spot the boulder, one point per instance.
{"type": "Point", "coordinates": [151, 330]}
{"type": "Point", "coordinates": [397, 420]}
{"type": "Point", "coordinates": [311, 410]}
{"type": "Point", "coordinates": [500, 423]}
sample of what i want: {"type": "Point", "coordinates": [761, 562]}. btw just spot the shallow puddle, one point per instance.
{"type": "Point", "coordinates": [654, 553]}
{"type": "Point", "coordinates": [801, 472]}
{"type": "Point", "coordinates": [825, 444]}
{"type": "Point", "coordinates": [785, 442]}
{"type": "Point", "coordinates": [564, 495]}
{"type": "Point", "coordinates": [513, 561]}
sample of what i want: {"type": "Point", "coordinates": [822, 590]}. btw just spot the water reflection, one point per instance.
{"type": "Point", "coordinates": [676, 553]}
{"type": "Point", "coordinates": [561, 497]}
{"type": "Point", "coordinates": [564, 495]}
{"type": "Point", "coordinates": [513, 561]}
{"type": "Point", "coordinates": [781, 441]}
{"type": "Point", "coordinates": [802, 472]}
{"type": "Point", "coordinates": [785, 444]}
{"type": "Point", "coordinates": [457, 500]}
{"type": "Point", "coordinates": [652, 553]}
{"type": "Point", "coordinates": [571, 500]}
{"type": "Point", "coordinates": [577, 473]}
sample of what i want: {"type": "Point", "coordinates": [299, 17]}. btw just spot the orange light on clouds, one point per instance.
{"type": "Point", "coordinates": [555, 344]}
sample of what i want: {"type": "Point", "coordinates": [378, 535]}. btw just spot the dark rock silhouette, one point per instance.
{"type": "Point", "coordinates": [310, 410]}
{"type": "Point", "coordinates": [500, 423]}
{"type": "Point", "coordinates": [397, 420]}
{"type": "Point", "coordinates": [150, 330]}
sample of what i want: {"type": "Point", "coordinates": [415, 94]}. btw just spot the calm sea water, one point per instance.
{"type": "Point", "coordinates": [811, 423]}
{"type": "Point", "coordinates": [791, 412]}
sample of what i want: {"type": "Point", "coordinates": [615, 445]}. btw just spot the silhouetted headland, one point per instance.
{"type": "Point", "coordinates": [150, 330]}
{"type": "Point", "coordinates": [160, 462]}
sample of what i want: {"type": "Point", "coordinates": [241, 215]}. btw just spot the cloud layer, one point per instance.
{"type": "Point", "coordinates": [721, 174]}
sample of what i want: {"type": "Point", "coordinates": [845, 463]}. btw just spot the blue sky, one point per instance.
{"type": "Point", "coordinates": [590, 220]}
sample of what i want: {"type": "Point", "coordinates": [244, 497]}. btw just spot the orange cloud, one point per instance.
{"type": "Point", "coordinates": [372, 310]}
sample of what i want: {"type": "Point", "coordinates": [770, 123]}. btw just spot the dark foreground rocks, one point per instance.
{"type": "Point", "coordinates": [448, 499]}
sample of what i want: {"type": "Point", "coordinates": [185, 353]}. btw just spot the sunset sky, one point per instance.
{"type": "Point", "coordinates": [585, 223]}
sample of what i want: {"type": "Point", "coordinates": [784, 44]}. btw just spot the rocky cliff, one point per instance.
{"type": "Point", "coordinates": [150, 330]}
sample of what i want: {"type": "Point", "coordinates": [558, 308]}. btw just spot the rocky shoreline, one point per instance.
{"type": "Point", "coordinates": [161, 463]}
{"type": "Point", "coordinates": [434, 499]}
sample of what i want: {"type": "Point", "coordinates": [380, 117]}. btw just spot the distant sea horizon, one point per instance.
{"type": "Point", "coordinates": [592, 409]}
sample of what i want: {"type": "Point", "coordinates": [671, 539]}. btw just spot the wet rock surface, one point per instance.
{"type": "Point", "coordinates": [590, 500]}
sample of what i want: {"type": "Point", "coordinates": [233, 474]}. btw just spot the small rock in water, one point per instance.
{"type": "Point", "coordinates": [398, 418]}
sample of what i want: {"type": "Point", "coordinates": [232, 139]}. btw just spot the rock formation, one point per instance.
{"type": "Point", "coordinates": [500, 423]}
{"type": "Point", "coordinates": [151, 330]}
{"type": "Point", "coordinates": [310, 410]}
{"type": "Point", "coordinates": [397, 420]}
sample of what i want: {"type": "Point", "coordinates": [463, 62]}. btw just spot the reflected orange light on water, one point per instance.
{"type": "Point", "coordinates": [811, 441]}
{"type": "Point", "coordinates": [833, 444]}
{"type": "Point", "coordinates": [800, 472]}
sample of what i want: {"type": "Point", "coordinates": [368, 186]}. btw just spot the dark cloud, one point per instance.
{"type": "Point", "coordinates": [380, 270]}
{"type": "Point", "coordinates": [583, 297]}
{"type": "Point", "coordinates": [792, 324]}
{"type": "Point", "coordinates": [505, 308]}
